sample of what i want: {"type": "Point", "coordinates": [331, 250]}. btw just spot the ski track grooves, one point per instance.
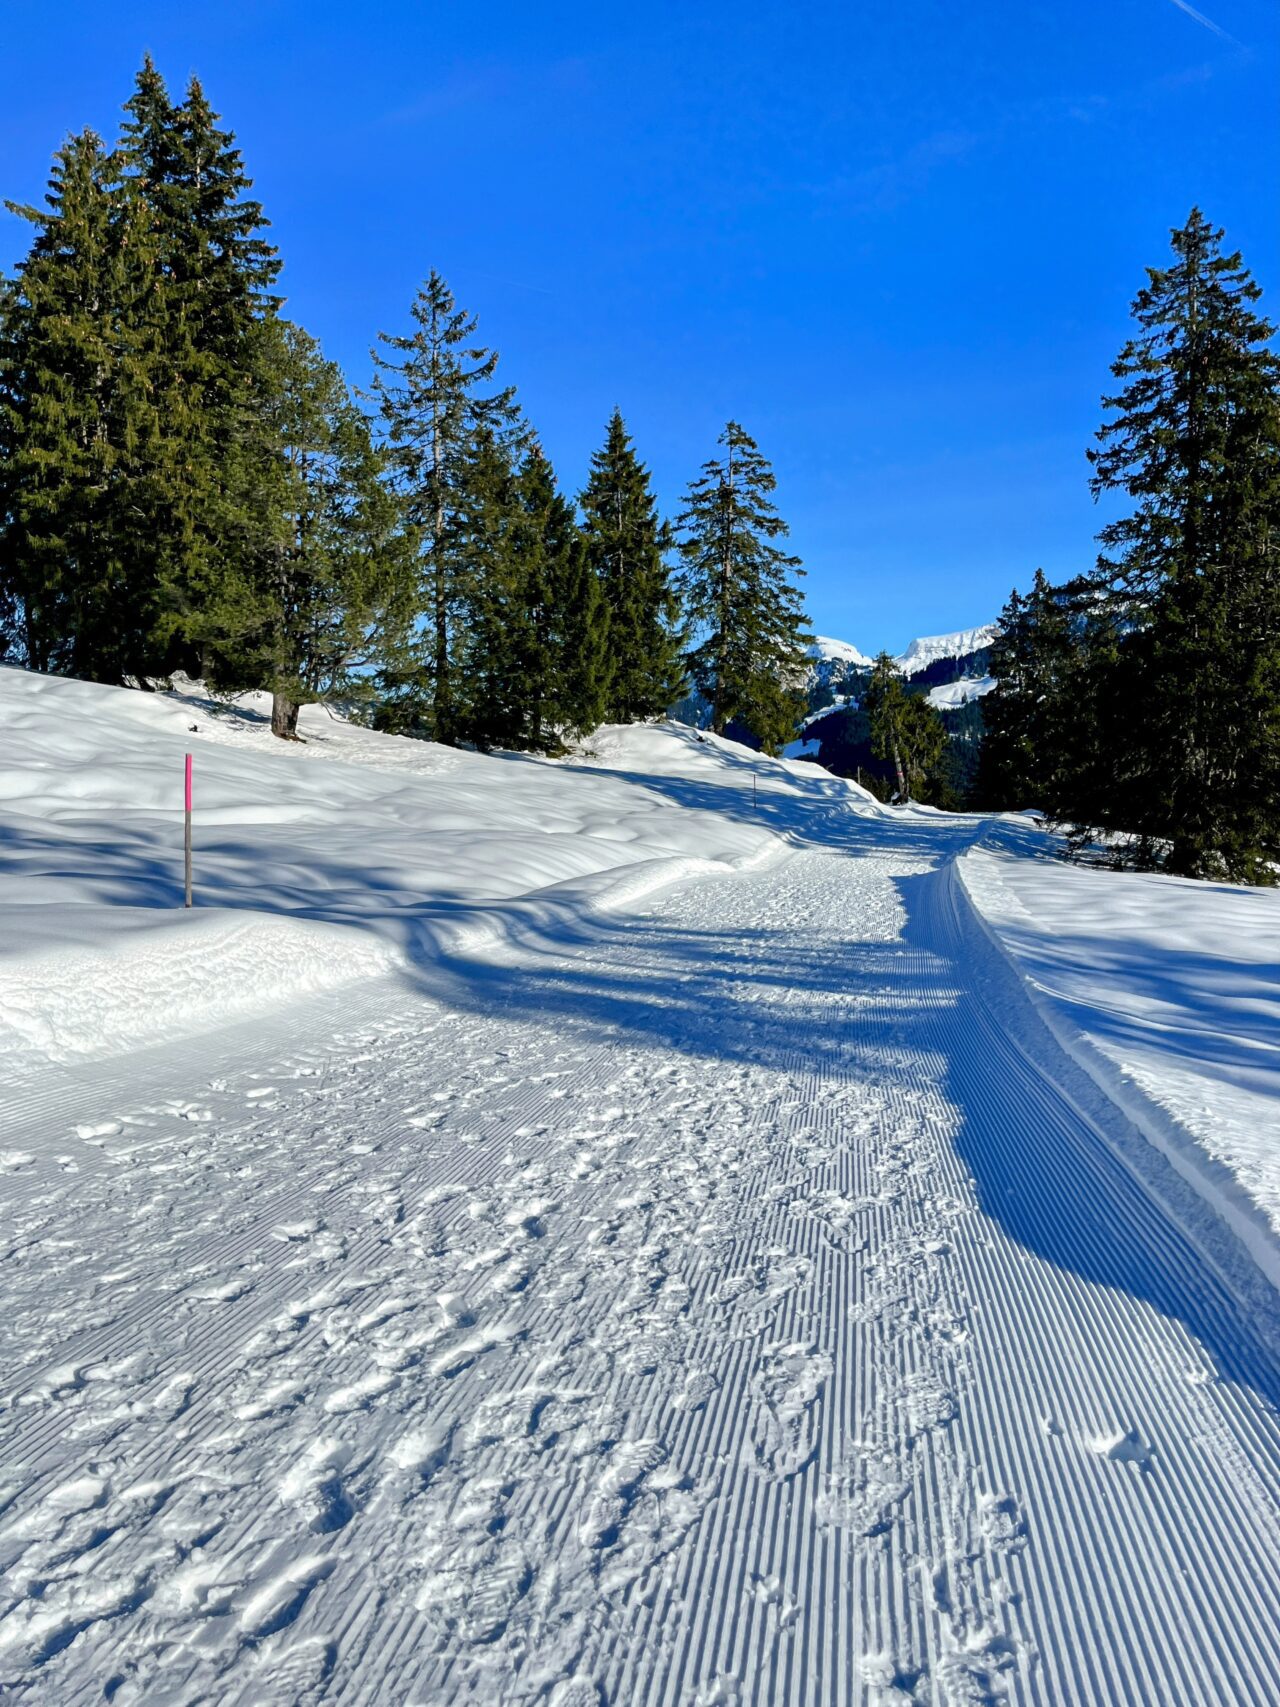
{"type": "Point", "coordinates": [749, 1305]}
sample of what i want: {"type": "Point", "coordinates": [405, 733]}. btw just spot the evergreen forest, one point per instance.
{"type": "Point", "coordinates": [189, 485]}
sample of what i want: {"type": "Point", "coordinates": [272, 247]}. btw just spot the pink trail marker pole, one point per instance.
{"type": "Point", "coordinates": [187, 836]}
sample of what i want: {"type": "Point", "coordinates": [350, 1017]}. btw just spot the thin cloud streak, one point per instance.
{"type": "Point", "coordinates": [1207, 22]}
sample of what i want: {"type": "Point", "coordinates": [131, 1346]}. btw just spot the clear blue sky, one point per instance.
{"type": "Point", "coordinates": [898, 242]}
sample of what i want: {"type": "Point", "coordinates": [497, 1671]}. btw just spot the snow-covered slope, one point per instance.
{"type": "Point", "coordinates": [349, 855]}
{"type": "Point", "coordinates": [742, 1298]}
{"type": "Point", "coordinates": [1168, 992]}
{"type": "Point", "coordinates": [824, 650]}
{"type": "Point", "coordinates": [947, 695]}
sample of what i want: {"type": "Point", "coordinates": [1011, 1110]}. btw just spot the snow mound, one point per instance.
{"type": "Point", "coordinates": [346, 855]}
{"type": "Point", "coordinates": [136, 977]}
{"type": "Point", "coordinates": [1165, 991]}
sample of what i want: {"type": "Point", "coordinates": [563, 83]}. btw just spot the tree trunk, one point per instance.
{"type": "Point", "coordinates": [897, 765]}
{"type": "Point", "coordinates": [284, 717]}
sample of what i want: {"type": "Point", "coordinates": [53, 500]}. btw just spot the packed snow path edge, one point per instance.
{"type": "Point", "coordinates": [1222, 1193]}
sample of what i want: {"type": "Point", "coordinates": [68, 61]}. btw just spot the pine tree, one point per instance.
{"type": "Point", "coordinates": [1190, 578]}
{"type": "Point", "coordinates": [490, 708]}
{"type": "Point", "coordinates": [321, 592]}
{"type": "Point", "coordinates": [626, 546]}
{"type": "Point", "coordinates": [1031, 716]}
{"type": "Point", "coordinates": [906, 730]}
{"type": "Point", "coordinates": [211, 284]}
{"type": "Point", "coordinates": [740, 596]}
{"type": "Point", "coordinates": [70, 427]}
{"type": "Point", "coordinates": [433, 408]}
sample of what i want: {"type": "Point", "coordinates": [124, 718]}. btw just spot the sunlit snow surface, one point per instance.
{"type": "Point", "coordinates": [613, 1231]}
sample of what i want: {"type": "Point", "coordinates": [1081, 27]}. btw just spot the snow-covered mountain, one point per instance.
{"type": "Point", "coordinates": [824, 650]}
{"type": "Point", "coordinates": [929, 648]}
{"type": "Point", "coordinates": [832, 659]}
{"type": "Point", "coordinates": [833, 662]}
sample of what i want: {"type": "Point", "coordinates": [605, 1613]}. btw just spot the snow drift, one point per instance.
{"type": "Point", "coordinates": [348, 855]}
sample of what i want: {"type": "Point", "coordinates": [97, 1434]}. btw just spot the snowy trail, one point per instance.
{"type": "Point", "coordinates": [744, 1303]}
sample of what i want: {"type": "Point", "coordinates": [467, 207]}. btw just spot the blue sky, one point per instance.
{"type": "Point", "coordinates": [897, 243]}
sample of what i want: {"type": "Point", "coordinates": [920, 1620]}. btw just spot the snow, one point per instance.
{"type": "Point", "coordinates": [951, 694]}
{"type": "Point", "coordinates": [825, 650]}
{"type": "Point", "coordinates": [928, 648]}
{"type": "Point", "coordinates": [1168, 992]}
{"type": "Point", "coordinates": [655, 1232]}
{"type": "Point", "coordinates": [315, 864]}
{"type": "Point", "coordinates": [919, 654]}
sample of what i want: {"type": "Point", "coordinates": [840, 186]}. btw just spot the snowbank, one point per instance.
{"type": "Point", "coordinates": [107, 980]}
{"type": "Point", "coordinates": [1168, 992]}
{"type": "Point", "coordinates": [344, 856]}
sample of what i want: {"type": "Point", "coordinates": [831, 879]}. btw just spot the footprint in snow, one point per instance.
{"type": "Point", "coordinates": [785, 1425]}
{"type": "Point", "coordinates": [315, 1487]}
{"type": "Point", "coordinates": [295, 1232]}
{"type": "Point", "coordinates": [976, 1675]}
{"type": "Point", "coordinates": [696, 1388]}
{"type": "Point", "coordinates": [575, 1692]}
{"type": "Point", "coordinates": [1001, 1523]}
{"type": "Point", "coordinates": [93, 1132]}
{"type": "Point", "coordinates": [627, 1466]}
{"type": "Point", "coordinates": [863, 1491]}
{"type": "Point", "coordinates": [1123, 1446]}
{"type": "Point", "coordinates": [296, 1677]}
{"type": "Point", "coordinates": [278, 1603]}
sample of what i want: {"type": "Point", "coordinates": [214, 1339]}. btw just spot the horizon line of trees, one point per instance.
{"type": "Point", "coordinates": [188, 484]}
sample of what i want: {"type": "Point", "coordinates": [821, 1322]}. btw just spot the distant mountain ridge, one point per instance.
{"type": "Point", "coordinates": [963, 644]}
{"type": "Point", "coordinates": [952, 670]}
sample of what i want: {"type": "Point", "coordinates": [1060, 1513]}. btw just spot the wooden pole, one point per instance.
{"type": "Point", "coordinates": [187, 833]}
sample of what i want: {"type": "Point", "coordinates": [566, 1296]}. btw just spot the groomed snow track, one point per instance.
{"type": "Point", "coordinates": [746, 1302]}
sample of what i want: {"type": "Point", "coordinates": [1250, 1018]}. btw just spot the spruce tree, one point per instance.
{"type": "Point", "coordinates": [627, 545]}
{"type": "Point", "coordinates": [433, 404]}
{"type": "Point", "coordinates": [1030, 717]}
{"type": "Point", "coordinates": [740, 595]}
{"type": "Point", "coordinates": [884, 702]}
{"type": "Point", "coordinates": [490, 706]}
{"type": "Point", "coordinates": [536, 659]}
{"type": "Point", "coordinates": [1190, 577]}
{"type": "Point", "coordinates": [906, 730]}
{"type": "Point", "coordinates": [211, 284]}
{"type": "Point", "coordinates": [568, 670]}
{"type": "Point", "coordinates": [72, 417]}
{"type": "Point", "coordinates": [321, 592]}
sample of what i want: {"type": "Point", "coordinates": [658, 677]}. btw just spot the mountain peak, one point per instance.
{"type": "Point", "coordinates": [920, 653]}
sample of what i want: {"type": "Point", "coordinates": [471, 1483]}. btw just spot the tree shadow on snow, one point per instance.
{"type": "Point", "coordinates": [933, 1007]}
